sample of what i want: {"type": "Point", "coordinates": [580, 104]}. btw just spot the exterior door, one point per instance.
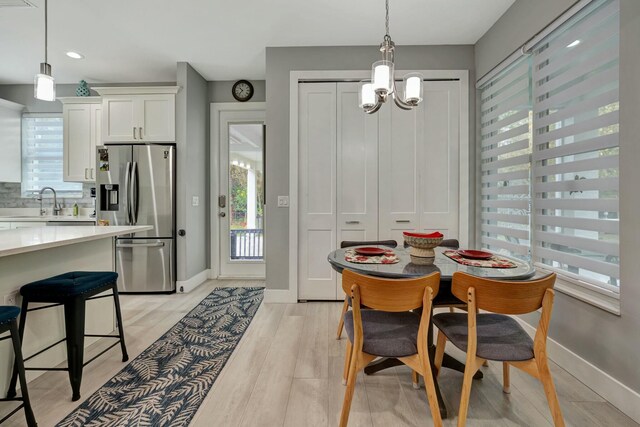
{"type": "Point", "coordinates": [240, 204]}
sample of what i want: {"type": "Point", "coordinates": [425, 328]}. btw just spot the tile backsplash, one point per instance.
{"type": "Point", "coordinates": [11, 197]}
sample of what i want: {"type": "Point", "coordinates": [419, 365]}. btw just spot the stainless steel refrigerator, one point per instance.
{"type": "Point", "coordinates": [135, 185]}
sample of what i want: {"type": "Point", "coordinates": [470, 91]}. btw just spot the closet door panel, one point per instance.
{"type": "Point", "coordinates": [317, 190]}
{"type": "Point", "coordinates": [439, 172]}
{"type": "Point", "coordinates": [400, 135]}
{"type": "Point", "coordinates": [357, 165]}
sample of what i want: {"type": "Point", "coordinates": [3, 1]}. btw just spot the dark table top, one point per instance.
{"type": "Point", "coordinates": [405, 268]}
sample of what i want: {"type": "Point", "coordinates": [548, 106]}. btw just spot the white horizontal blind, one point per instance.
{"type": "Point", "coordinates": [42, 156]}
{"type": "Point", "coordinates": [505, 151]}
{"type": "Point", "coordinates": [575, 147]}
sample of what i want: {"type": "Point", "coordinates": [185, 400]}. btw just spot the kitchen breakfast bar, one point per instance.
{"type": "Point", "coordinates": [31, 254]}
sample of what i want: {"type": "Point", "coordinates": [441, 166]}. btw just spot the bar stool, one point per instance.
{"type": "Point", "coordinates": [8, 316]}
{"type": "Point", "coordinates": [71, 290]}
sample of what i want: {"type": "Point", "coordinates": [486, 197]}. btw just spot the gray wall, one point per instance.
{"type": "Point", "coordinates": [220, 91]}
{"type": "Point", "coordinates": [280, 61]}
{"type": "Point", "coordinates": [192, 142]}
{"type": "Point", "coordinates": [608, 341]}
{"type": "Point", "coordinates": [519, 23]}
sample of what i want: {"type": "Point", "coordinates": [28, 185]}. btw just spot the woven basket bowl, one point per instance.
{"type": "Point", "coordinates": [423, 242]}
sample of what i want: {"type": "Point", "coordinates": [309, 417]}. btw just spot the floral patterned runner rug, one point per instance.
{"type": "Point", "coordinates": [167, 382]}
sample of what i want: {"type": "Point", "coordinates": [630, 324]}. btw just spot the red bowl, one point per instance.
{"type": "Point", "coordinates": [370, 251]}
{"type": "Point", "coordinates": [435, 235]}
{"type": "Point", "coordinates": [472, 254]}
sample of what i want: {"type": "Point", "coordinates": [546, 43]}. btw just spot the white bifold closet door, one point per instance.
{"type": "Point", "coordinates": [419, 164]}
{"type": "Point", "coordinates": [371, 176]}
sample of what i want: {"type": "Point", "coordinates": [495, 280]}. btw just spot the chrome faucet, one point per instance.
{"type": "Point", "coordinates": [56, 209]}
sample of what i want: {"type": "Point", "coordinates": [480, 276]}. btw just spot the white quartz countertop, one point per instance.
{"type": "Point", "coordinates": [47, 218]}
{"type": "Point", "coordinates": [23, 240]}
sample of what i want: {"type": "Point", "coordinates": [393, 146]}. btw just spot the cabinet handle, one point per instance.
{"type": "Point", "coordinates": [140, 132]}
{"type": "Point", "coordinates": [403, 221]}
{"type": "Point", "coordinates": [134, 132]}
{"type": "Point", "coordinates": [352, 222]}
{"type": "Point", "coordinates": [85, 173]}
{"type": "Point", "coordinates": [92, 177]}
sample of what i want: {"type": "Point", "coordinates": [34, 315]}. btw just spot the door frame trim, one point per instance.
{"type": "Point", "coordinates": [296, 77]}
{"type": "Point", "coordinates": [214, 183]}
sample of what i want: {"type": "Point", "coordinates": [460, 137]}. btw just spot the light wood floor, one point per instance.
{"type": "Point", "coordinates": [287, 371]}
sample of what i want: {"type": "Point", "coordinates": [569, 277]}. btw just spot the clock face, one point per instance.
{"type": "Point", "coordinates": [242, 90]}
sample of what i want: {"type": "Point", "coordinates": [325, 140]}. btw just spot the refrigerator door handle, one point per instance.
{"type": "Point", "coordinates": [140, 245]}
{"type": "Point", "coordinates": [134, 193]}
{"type": "Point", "coordinates": [127, 189]}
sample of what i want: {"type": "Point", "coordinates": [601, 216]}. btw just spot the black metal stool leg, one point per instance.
{"type": "Point", "coordinates": [11, 393]}
{"type": "Point", "coordinates": [116, 302]}
{"type": "Point", "coordinates": [74, 317]}
{"type": "Point", "coordinates": [17, 349]}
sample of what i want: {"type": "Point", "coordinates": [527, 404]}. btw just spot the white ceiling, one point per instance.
{"type": "Point", "coordinates": [141, 40]}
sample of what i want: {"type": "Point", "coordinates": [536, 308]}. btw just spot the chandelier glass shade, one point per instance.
{"type": "Point", "coordinates": [382, 86]}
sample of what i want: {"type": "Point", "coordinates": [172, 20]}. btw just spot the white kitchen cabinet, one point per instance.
{"type": "Point", "coordinates": [5, 226]}
{"type": "Point", "coordinates": [82, 119]}
{"type": "Point", "coordinates": [10, 141]}
{"type": "Point", "coordinates": [27, 224]}
{"type": "Point", "coordinates": [142, 114]}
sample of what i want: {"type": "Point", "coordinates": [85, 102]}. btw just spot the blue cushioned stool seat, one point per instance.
{"type": "Point", "coordinates": [68, 285]}
{"type": "Point", "coordinates": [8, 313]}
{"type": "Point", "coordinates": [500, 337]}
{"type": "Point", "coordinates": [386, 334]}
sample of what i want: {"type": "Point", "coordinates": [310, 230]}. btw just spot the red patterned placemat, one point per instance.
{"type": "Point", "coordinates": [493, 262]}
{"type": "Point", "coordinates": [389, 257]}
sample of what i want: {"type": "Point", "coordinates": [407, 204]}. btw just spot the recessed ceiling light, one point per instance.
{"type": "Point", "coordinates": [75, 55]}
{"type": "Point", "coordinates": [574, 43]}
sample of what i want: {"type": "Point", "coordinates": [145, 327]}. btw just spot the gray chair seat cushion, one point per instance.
{"type": "Point", "coordinates": [386, 334]}
{"type": "Point", "coordinates": [500, 337]}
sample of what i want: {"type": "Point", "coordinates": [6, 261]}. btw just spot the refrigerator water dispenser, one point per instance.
{"type": "Point", "coordinates": [109, 200]}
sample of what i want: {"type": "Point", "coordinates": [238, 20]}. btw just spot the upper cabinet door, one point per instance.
{"type": "Point", "coordinates": [77, 142]}
{"type": "Point", "coordinates": [96, 138]}
{"type": "Point", "coordinates": [120, 118]}
{"type": "Point", "coordinates": [157, 118]}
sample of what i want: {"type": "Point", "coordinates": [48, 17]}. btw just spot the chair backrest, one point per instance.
{"type": "Point", "coordinates": [504, 297]}
{"type": "Point", "coordinates": [351, 243]}
{"type": "Point", "coordinates": [394, 295]}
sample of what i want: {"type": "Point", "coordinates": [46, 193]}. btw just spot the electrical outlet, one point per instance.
{"type": "Point", "coordinates": [283, 201]}
{"type": "Point", "coordinates": [195, 201]}
{"type": "Point", "coordinates": [11, 299]}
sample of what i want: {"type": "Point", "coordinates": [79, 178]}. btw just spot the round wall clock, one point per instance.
{"type": "Point", "coordinates": [242, 90]}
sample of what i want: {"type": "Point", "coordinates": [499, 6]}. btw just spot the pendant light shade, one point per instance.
{"type": "Point", "coordinates": [366, 95]}
{"type": "Point", "coordinates": [382, 76]}
{"type": "Point", "coordinates": [412, 88]}
{"type": "Point", "coordinates": [44, 85]}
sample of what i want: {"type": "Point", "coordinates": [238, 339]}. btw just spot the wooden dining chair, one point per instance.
{"type": "Point", "coordinates": [496, 335]}
{"type": "Point", "coordinates": [349, 244]}
{"type": "Point", "coordinates": [389, 329]}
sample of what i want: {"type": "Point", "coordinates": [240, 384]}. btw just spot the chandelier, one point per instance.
{"type": "Point", "coordinates": [375, 92]}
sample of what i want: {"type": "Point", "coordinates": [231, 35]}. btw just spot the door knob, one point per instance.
{"type": "Point", "coordinates": [222, 214]}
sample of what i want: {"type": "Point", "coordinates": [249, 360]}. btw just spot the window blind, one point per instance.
{"type": "Point", "coordinates": [42, 156]}
{"type": "Point", "coordinates": [575, 147]}
{"type": "Point", "coordinates": [505, 152]}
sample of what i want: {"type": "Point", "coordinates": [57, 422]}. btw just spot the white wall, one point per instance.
{"type": "Point", "coordinates": [192, 152]}
{"type": "Point", "coordinates": [280, 62]}
{"type": "Point", "coordinates": [610, 342]}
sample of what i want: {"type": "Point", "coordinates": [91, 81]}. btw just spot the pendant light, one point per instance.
{"type": "Point", "coordinates": [375, 92]}
{"type": "Point", "coordinates": [44, 87]}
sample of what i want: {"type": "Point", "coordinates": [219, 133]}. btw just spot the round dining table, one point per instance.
{"type": "Point", "coordinates": [446, 266]}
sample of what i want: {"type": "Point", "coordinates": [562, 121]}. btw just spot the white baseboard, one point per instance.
{"type": "Point", "coordinates": [618, 394]}
{"type": "Point", "coordinates": [280, 296]}
{"type": "Point", "coordinates": [193, 282]}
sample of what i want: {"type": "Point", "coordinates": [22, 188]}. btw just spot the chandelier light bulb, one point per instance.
{"type": "Point", "coordinates": [367, 94]}
{"type": "Point", "coordinates": [413, 88]}
{"type": "Point", "coordinates": [45, 87]}
{"type": "Point", "coordinates": [383, 76]}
